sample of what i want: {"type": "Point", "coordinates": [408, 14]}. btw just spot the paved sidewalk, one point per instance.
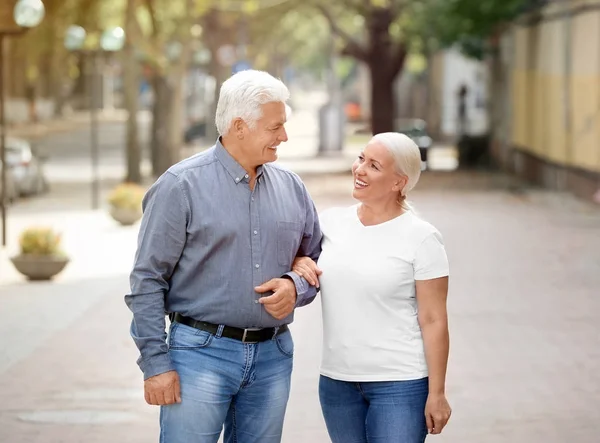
{"type": "Point", "coordinates": [67, 123]}
{"type": "Point", "coordinates": [523, 305]}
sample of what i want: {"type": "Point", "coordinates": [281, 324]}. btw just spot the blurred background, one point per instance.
{"type": "Point", "coordinates": [100, 97]}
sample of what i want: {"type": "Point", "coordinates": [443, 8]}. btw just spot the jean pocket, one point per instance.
{"type": "Point", "coordinates": [289, 236]}
{"type": "Point", "coordinates": [186, 337]}
{"type": "Point", "coordinates": [285, 344]}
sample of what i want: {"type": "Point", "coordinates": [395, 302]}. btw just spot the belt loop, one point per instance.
{"type": "Point", "coordinates": [275, 331]}
{"type": "Point", "coordinates": [220, 331]}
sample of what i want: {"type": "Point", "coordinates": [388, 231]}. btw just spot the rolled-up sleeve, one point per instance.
{"type": "Point", "coordinates": [161, 240]}
{"type": "Point", "coordinates": [309, 247]}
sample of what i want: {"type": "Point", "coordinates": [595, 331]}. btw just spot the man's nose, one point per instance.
{"type": "Point", "coordinates": [283, 136]}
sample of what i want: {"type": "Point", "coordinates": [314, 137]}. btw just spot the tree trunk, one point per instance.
{"type": "Point", "coordinates": [175, 126]}
{"type": "Point", "coordinates": [56, 77]}
{"type": "Point", "coordinates": [219, 73]}
{"type": "Point", "coordinates": [130, 86]}
{"type": "Point", "coordinates": [167, 130]}
{"type": "Point", "coordinates": [160, 118]}
{"type": "Point", "coordinates": [216, 34]}
{"type": "Point", "coordinates": [168, 112]}
{"type": "Point", "coordinates": [383, 103]}
{"type": "Point", "coordinates": [167, 118]}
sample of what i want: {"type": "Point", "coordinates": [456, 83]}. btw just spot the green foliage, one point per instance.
{"type": "Point", "coordinates": [468, 23]}
{"type": "Point", "coordinates": [424, 25]}
{"type": "Point", "coordinates": [293, 31]}
{"type": "Point", "coordinates": [40, 241]}
{"type": "Point", "coordinates": [93, 15]}
{"type": "Point", "coordinates": [46, 41]}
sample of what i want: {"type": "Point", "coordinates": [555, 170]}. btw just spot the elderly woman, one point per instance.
{"type": "Point", "coordinates": [383, 274]}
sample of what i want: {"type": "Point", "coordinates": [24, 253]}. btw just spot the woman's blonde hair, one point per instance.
{"type": "Point", "coordinates": [407, 159]}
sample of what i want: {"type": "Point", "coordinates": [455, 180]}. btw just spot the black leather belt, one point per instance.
{"type": "Point", "coordinates": [243, 335]}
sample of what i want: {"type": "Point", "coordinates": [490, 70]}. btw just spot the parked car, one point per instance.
{"type": "Point", "coordinates": [416, 129]}
{"type": "Point", "coordinates": [27, 167]}
{"type": "Point", "coordinates": [11, 189]}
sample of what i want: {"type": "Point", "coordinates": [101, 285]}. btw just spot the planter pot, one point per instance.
{"type": "Point", "coordinates": [125, 216]}
{"type": "Point", "coordinates": [39, 267]}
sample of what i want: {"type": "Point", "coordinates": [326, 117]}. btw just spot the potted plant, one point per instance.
{"type": "Point", "coordinates": [126, 203]}
{"type": "Point", "coordinates": [41, 257]}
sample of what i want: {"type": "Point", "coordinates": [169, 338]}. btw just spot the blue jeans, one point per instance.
{"type": "Point", "coordinates": [224, 382]}
{"type": "Point", "coordinates": [374, 412]}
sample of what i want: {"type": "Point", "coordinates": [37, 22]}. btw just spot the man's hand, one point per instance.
{"type": "Point", "coordinates": [163, 389]}
{"type": "Point", "coordinates": [282, 302]}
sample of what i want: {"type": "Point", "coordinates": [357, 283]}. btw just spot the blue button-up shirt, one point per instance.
{"type": "Point", "coordinates": [207, 240]}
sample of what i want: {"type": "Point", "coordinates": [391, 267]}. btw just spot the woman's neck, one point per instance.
{"type": "Point", "coordinates": [376, 213]}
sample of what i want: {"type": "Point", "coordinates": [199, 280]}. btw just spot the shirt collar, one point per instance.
{"type": "Point", "coordinates": [235, 170]}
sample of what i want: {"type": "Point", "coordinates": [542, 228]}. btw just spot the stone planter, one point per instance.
{"type": "Point", "coordinates": [125, 216]}
{"type": "Point", "coordinates": [39, 267]}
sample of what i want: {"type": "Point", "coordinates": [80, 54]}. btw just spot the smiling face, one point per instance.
{"type": "Point", "coordinates": [261, 142]}
{"type": "Point", "coordinates": [375, 175]}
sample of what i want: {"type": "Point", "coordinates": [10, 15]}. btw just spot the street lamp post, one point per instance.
{"type": "Point", "coordinates": [112, 40]}
{"type": "Point", "coordinates": [25, 14]}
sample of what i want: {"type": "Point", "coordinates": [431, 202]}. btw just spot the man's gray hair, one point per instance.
{"type": "Point", "coordinates": [243, 94]}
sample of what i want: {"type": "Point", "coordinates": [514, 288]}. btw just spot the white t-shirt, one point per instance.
{"type": "Point", "coordinates": [370, 326]}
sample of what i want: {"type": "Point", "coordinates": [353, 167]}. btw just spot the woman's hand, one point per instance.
{"type": "Point", "coordinates": [437, 413]}
{"type": "Point", "coordinates": [307, 268]}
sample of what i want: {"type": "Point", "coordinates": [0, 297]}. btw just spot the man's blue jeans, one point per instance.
{"type": "Point", "coordinates": [374, 412]}
{"type": "Point", "coordinates": [244, 387]}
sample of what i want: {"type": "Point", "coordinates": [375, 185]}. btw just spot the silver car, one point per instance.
{"type": "Point", "coordinates": [27, 168]}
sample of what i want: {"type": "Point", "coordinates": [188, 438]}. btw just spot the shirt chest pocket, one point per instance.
{"type": "Point", "coordinates": [289, 236]}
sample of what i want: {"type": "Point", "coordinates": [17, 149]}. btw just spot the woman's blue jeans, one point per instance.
{"type": "Point", "coordinates": [374, 412]}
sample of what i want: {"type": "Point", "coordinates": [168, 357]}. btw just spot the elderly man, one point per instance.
{"type": "Point", "coordinates": [219, 234]}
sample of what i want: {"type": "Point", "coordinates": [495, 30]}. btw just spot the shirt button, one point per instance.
{"type": "Point", "coordinates": [237, 179]}
{"type": "Point", "coordinates": [252, 198]}
{"type": "Point", "coordinates": [255, 232]}
{"type": "Point", "coordinates": [257, 266]}
{"type": "Point", "coordinates": [246, 175]}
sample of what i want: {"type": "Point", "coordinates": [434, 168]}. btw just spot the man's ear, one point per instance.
{"type": "Point", "coordinates": [238, 127]}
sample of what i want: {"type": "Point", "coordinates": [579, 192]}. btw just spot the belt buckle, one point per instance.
{"type": "Point", "coordinates": [246, 333]}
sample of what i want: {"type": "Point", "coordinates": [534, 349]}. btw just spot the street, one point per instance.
{"type": "Point", "coordinates": [501, 98]}
{"type": "Point", "coordinates": [525, 349]}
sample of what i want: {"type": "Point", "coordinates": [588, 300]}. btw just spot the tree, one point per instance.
{"type": "Point", "coordinates": [133, 152]}
{"type": "Point", "coordinates": [219, 29]}
{"type": "Point", "coordinates": [381, 34]}
{"type": "Point", "coordinates": [382, 46]}
{"type": "Point", "coordinates": [162, 34]}
{"type": "Point", "coordinates": [475, 27]}
{"type": "Point", "coordinates": [41, 53]}
{"type": "Point", "coordinates": [291, 33]}
{"type": "Point", "coordinates": [260, 30]}
{"type": "Point", "coordinates": [473, 24]}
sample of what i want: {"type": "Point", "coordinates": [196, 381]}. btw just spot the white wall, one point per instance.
{"type": "Point", "coordinates": [458, 70]}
